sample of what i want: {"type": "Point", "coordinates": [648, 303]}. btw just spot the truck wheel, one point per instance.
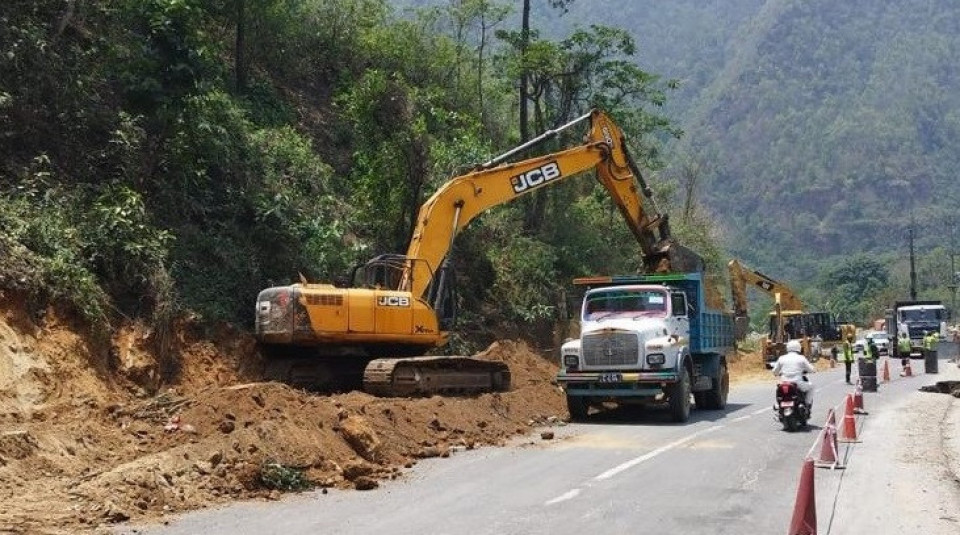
{"type": "Point", "coordinates": [578, 407]}
{"type": "Point", "coordinates": [679, 393]}
{"type": "Point", "coordinates": [716, 397]}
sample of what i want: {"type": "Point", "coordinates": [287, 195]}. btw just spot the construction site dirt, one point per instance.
{"type": "Point", "coordinates": [97, 433]}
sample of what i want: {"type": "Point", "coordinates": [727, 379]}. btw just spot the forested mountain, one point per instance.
{"type": "Point", "coordinates": [818, 129]}
{"type": "Point", "coordinates": [159, 156]}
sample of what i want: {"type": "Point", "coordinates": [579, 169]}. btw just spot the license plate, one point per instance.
{"type": "Point", "coordinates": [786, 404]}
{"type": "Point", "coordinates": [610, 377]}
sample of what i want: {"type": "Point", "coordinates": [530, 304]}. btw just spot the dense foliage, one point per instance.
{"type": "Point", "coordinates": [160, 156]}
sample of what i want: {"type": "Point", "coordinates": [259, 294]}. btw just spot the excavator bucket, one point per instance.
{"type": "Point", "coordinates": [673, 257]}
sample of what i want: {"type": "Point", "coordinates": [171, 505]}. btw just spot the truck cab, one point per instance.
{"type": "Point", "coordinates": [915, 318]}
{"type": "Point", "coordinates": [617, 322]}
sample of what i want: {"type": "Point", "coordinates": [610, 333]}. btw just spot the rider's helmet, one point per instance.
{"type": "Point", "coordinates": [793, 346]}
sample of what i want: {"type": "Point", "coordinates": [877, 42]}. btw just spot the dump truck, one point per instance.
{"type": "Point", "coordinates": [371, 332]}
{"type": "Point", "coordinates": [915, 319]}
{"type": "Point", "coordinates": [648, 339]}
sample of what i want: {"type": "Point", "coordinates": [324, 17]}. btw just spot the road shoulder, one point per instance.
{"type": "Point", "coordinates": [905, 474]}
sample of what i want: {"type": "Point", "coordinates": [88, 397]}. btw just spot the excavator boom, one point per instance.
{"type": "Point", "coordinates": [459, 201]}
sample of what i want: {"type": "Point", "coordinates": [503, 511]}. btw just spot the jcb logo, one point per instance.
{"type": "Point", "coordinates": [393, 301]}
{"type": "Point", "coordinates": [535, 177]}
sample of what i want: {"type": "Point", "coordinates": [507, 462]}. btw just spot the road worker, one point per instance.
{"type": "Point", "coordinates": [871, 354]}
{"type": "Point", "coordinates": [904, 348]}
{"type": "Point", "coordinates": [846, 356]}
{"type": "Point", "coordinates": [930, 340]}
{"type": "Point", "coordinates": [793, 366]}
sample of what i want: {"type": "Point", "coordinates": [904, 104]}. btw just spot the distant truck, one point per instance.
{"type": "Point", "coordinates": [648, 339]}
{"type": "Point", "coordinates": [916, 318]}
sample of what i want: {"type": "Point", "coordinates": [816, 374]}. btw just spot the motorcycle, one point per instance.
{"type": "Point", "coordinates": [791, 407]}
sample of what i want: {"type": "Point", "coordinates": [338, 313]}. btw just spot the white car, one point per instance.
{"type": "Point", "coordinates": [881, 340]}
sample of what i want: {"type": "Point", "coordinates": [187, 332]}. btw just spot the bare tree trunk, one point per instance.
{"type": "Point", "coordinates": [524, 43]}
{"type": "Point", "coordinates": [480, 50]}
{"type": "Point", "coordinates": [239, 59]}
{"type": "Point", "coordinates": [689, 179]}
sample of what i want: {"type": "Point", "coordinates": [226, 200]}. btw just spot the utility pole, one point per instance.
{"type": "Point", "coordinates": [913, 269]}
{"type": "Point", "coordinates": [953, 282]}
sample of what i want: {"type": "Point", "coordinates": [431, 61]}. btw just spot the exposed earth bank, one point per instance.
{"type": "Point", "coordinates": [93, 433]}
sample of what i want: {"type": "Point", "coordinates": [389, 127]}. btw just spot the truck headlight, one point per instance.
{"type": "Point", "coordinates": [571, 361]}
{"type": "Point", "coordinates": [656, 359]}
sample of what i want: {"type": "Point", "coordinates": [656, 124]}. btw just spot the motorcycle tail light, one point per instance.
{"type": "Point", "coordinates": [785, 388]}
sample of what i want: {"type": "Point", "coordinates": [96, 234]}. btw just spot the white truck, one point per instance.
{"type": "Point", "coordinates": [647, 339]}
{"type": "Point", "coordinates": [916, 318]}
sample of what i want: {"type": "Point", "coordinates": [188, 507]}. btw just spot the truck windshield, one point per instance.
{"type": "Point", "coordinates": [625, 303]}
{"type": "Point", "coordinates": [926, 314]}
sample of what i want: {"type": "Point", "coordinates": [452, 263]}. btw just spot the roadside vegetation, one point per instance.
{"type": "Point", "coordinates": [165, 156]}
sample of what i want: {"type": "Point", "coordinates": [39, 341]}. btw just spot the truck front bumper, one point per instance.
{"type": "Point", "coordinates": [615, 384]}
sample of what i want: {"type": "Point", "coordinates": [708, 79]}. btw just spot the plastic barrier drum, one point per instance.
{"type": "Point", "coordinates": [867, 369]}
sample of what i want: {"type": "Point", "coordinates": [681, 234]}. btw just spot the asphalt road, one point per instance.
{"type": "Point", "coordinates": [733, 471]}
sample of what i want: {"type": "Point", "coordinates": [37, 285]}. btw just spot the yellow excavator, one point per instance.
{"type": "Point", "coordinates": [788, 320]}
{"type": "Point", "coordinates": [369, 331]}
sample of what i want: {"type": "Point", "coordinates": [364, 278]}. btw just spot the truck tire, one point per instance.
{"type": "Point", "coordinates": [716, 397]}
{"type": "Point", "coordinates": [679, 394]}
{"type": "Point", "coordinates": [578, 407]}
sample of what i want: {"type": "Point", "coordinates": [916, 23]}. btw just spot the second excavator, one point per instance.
{"type": "Point", "coordinates": [370, 331]}
{"type": "Point", "coordinates": [789, 319]}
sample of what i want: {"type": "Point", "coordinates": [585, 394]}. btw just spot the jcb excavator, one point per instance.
{"type": "Point", "coordinates": [788, 321]}
{"type": "Point", "coordinates": [396, 307]}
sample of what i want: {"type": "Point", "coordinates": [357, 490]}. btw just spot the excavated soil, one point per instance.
{"type": "Point", "coordinates": [93, 434]}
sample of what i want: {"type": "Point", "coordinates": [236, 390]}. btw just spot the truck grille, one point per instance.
{"type": "Point", "coordinates": [610, 349]}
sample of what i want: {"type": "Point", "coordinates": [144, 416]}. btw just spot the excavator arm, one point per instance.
{"type": "Point", "coordinates": [461, 199]}
{"type": "Point", "coordinates": [787, 307]}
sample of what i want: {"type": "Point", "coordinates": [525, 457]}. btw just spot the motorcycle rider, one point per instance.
{"type": "Point", "coordinates": [793, 366]}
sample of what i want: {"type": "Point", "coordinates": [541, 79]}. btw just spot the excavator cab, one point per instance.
{"type": "Point", "coordinates": [396, 272]}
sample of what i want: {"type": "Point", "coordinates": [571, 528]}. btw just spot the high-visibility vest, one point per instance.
{"type": "Point", "coordinates": [847, 352]}
{"type": "Point", "coordinates": [930, 341]}
{"type": "Point", "coordinates": [903, 344]}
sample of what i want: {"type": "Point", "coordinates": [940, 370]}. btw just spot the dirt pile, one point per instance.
{"type": "Point", "coordinates": [91, 436]}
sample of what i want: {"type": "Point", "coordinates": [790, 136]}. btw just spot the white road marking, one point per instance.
{"type": "Point", "coordinates": [569, 495]}
{"type": "Point", "coordinates": [647, 456]}
{"type": "Point", "coordinates": [761, 411]}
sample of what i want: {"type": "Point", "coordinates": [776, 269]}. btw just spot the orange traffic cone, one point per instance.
{"type": "Point", "coordinates": [858, 399]}
{"type": "Point", "coordinates": [829, 448]}
{"type": "Point", "coordinates": [849, 433]}
{"type": "Point", "coordinates": [804, 521]}
{"type": "Point", "coordinates": [886, 370]}
{"type": "Point", "coordinates": [907, 370]}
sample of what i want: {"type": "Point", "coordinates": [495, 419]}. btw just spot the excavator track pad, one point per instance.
{"type": "Point", "coordinates": [427, 376]}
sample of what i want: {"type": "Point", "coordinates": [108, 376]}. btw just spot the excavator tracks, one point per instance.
{"type": "Point", "coordinates": [427, 376]}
